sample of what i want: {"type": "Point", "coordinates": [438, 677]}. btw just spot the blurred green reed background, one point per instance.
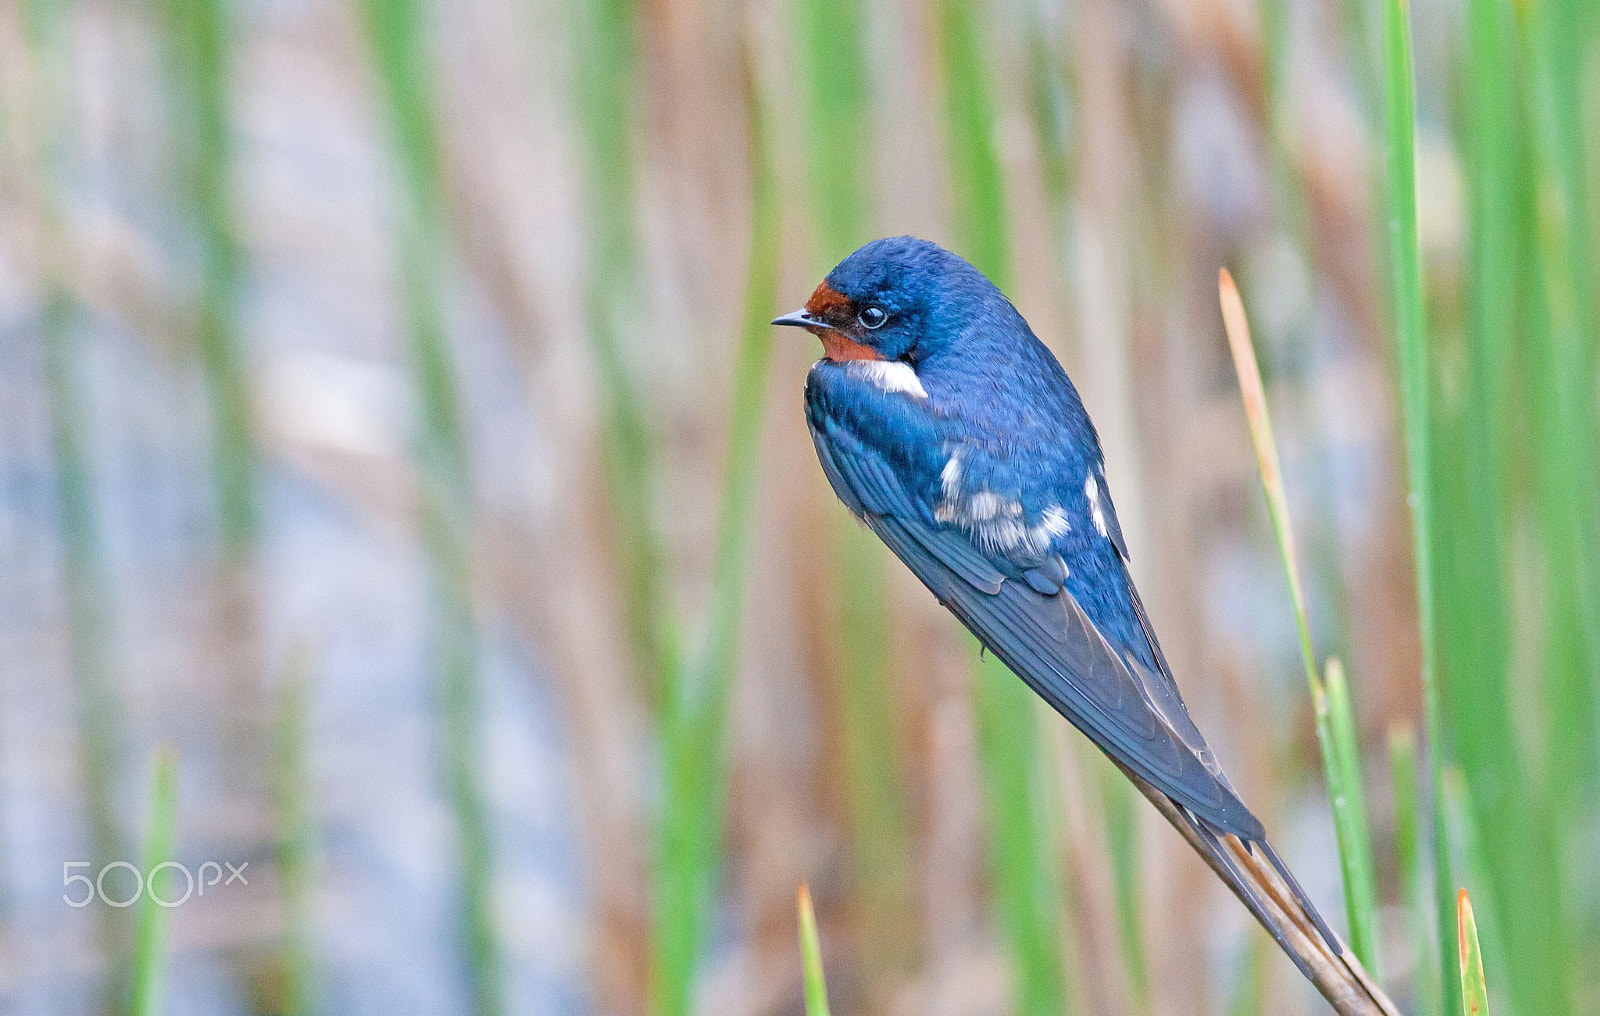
{"type": "Point", "coordinates": [389, 423]}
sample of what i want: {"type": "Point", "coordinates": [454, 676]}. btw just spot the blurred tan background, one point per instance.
{"type": "Point", "coordinates": [277, 249]}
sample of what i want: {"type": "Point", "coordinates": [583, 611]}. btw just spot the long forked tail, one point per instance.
{"type": "Point", "coordinates": [1264, 885]}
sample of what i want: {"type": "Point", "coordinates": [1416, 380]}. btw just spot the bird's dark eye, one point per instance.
{"type": "Point", "coordinates": [872, 317]}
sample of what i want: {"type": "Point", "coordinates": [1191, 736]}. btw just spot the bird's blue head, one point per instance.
{"type": "Point", "coordinates": [896, 299]}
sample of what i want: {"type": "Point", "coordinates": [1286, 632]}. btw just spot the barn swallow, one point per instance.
{"type": "Point", "coordinates": [946, 426]}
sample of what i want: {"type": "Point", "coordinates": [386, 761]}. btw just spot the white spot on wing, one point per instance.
{"type": "Point", "coordinates": [889, 376]}
{"type": "Point", "coordinates": [1091, 490]}
{"type": "Point", "coordinates": [994, 522]}
{"type": "Point", "coordinates": [1055, 522]}
{"type": "Point", "coordinates": [1003, 534]}
{"type": "Point", "coordinates": [950, 488]}
{"type": "Point", "coordinates": [983, 505]}
{"type": "Point", "coordinates": [950, 476]}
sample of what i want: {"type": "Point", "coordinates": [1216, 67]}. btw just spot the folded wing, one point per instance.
{"type": "Point", "coordinates": [1046, 638]}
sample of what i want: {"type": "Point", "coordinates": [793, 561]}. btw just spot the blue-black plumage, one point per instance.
{"type": "Point", "coordinates": [946, 426]}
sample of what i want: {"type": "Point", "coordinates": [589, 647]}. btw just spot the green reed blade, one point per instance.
{"type": "Point", "coordinates": [1406, 294]}
{"type": "Point", "coordinates": [296, 835]}
{"type": "Point", "coordinates": [811, 958]}
{"type": "Point", "coordinates": [1476, 479]}
{"type": "Point", "coordinates": [877, 794]}
{"type": "Point", "coordinates": [200, 41]}
{"type": "Point", "coordinates": [1022, 845]}
{"type": "Point", "coordinates": [1409, 866]}
{"type": "Point", "coordinates": [606, 100]}
{"type": "Point", "coordinates": [695, 715]}
{"type": "Point", "coordinates": [1275, 48]}
{"type": "Point", "coordinates": [1021, 837]}
{"type": "Point", "coordinates": [1405, 269]}
{"type": "Point", "coordinates": [1362, 46]}
{"type": "Point", "coordinates": [1524, 803]}
{"type": "Point", "coordinates": [1492, 171]}
{"type": "Point", "coordinates": [1474, 993]}
{"type": "Point", "coordinates": [149, 934]}
{"type": "Point", "coordinates": [86, 573]}
{"type": "Point", "coordinates": [85, 570]}
{"type": "Point", "coordinates": [396, 36]}
{"type": "Point", "coordinates": [1350, 819]}
{"type": "Point", "coordinates": [838, 125]}
{"type": "Point", "coordinates": [1053, 104]}
{"type": "Point", "coordinates": [838, 132]}
{"type": "Point", "coordinates": [1286, 351]}
{"type": "Point", "coordinates": [1121, 802]}
{"type": "Point", "coordinates": [1331, 705]}
{"type": "Point", "coordinates": [1255, 407]}
{"type": "Point", "coordinates": [1471, 864]}
{"type": "Point", "coordinates": [1561, 378]}
{"type": "Point", "coordinates": [977, 187]}
{"type": "Point", "coordinates": [1563, 56]}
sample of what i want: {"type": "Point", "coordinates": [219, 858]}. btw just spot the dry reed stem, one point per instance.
{"type": "Point", "coordinates": [1341, 979]}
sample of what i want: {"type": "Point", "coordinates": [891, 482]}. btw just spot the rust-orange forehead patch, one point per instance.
{"type": "Point", "coordinates": [828, 303]}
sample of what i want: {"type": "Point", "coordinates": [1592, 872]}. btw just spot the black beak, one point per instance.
{"type": "Point", "coordinates": [800, 319]}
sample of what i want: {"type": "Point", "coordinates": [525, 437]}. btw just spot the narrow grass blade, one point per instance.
{"type": "Point", "coordinates": [1511, 371]}
{"type": "Point", "coordinates": [811, 957]}
{"type": "Point", "coordinates": [606, 68]}
{"type": "Point", "coordinates": [1121, 803]}
{"type": "Point", "coordinates": [1492, 165]}
{"type": "Point", "coordinates": [1563, 340]}
{"type": "Point", "coordinates": [838, 124]}
{"type": "Point", "coordinates": [149, 935]}
{"type": "Point", "coordinates": [1555, 52]}
{"type": "Point", "coordinates": [1054, 105]}
{"type": "Point", "coordinates": [1474, 993]}
{"type": "Point", "coordinates": [1255, 408]}
{"type": "Point", "coordinates": [1362, 44]}
{"type": "Point", "coordinates": [86, 577]}
{"type": "Point", "coordinates": [1275, 50]}
{"type": "Point", "coordinates": [296, 836]}
{"type": "Point", "coordinates": [1021, 838]}
{"type": "Point", "coordinates": [878, 796]}
{"type": "Point", "coordinates": [1287, 348]}
{"type": "Point", "coordinates": [838, 132]}
{"type": "Point", "coordinates": [396, 37]}
{"type": "Point", "coordinates": [1350, 818]}
{"type": "Point", "coordinates": [977, 187]}
{"type": "Point", "coordinates": [1335, 722]}
{"type": "Point", "coordinates": [85, 571]}
{"type": "Point", "coordinates": [694, 720]}
{"type": "Point", "coordinates": [200, 42]}
{"type": "Point", "coordinates": [46, 129]}
{"type": "Point", "coordinates": [1471, 863]}
{"type": "Point", "coordinates": [1409, 866]}
{"type": "Point", "coordinates": [1022, 847]}
{"type": "Point", "coordinates": [1405, 269]}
